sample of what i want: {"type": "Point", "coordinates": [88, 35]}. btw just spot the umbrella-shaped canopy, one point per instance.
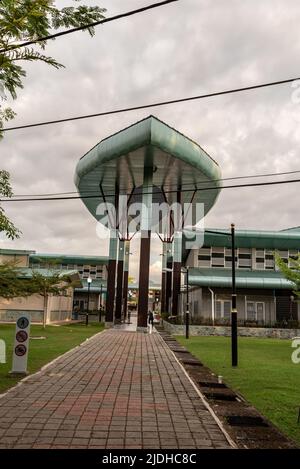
{"type": "Point", "coordinates": [118, 162]}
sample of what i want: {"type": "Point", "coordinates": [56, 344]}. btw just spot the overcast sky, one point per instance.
{"type": "Point", "coordinates": [186, 48]}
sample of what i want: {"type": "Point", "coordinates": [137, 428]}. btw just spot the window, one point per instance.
{"type": "Point", "coordinates": [251, 313]}
{"type": "Point", "coordinates": [270, 264]}
{"type": "Point", "coordinates": [204, 257]}
{"type": "Point", "coordinates": [223, 309]}
{"type": "Point", "coordinates": [256, 311]}
{"type": "Point", "coordinates": [217, 257]}
{"type": "Point", "coordinates": [284, 254]}
{"type": "Point", "coordinates": [260, 312]}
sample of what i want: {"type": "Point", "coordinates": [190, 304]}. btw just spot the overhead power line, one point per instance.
{"type": "Point", "coordinates": [167, 185]}
{"type": "Point", "coordinates": [157, 104]}
{"type": "Point", "coordinates": [112, 194]}
{"type": "Point", "coordinates": [87, 26]}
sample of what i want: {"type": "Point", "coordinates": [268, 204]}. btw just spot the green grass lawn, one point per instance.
{"type": "Point", "coordinates": [266, 376]}
{"type": "Point", "coordinates": [59, 339]}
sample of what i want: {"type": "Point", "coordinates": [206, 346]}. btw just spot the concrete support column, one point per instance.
{"type": "Point", "coordinates": [111, 278]}
{"type": "Point", "coordinates": [169, 277]}
{"type": "Point", "coordinates": [163, 278]}
{"type": "Point", "coordinates": [177, 258]}
{"type": "Point", "coordinates": [119, 291]}
{"type": "Point", "coordinates": [125, 278]}
{"type": "Point", "coordinates": [146, 218]}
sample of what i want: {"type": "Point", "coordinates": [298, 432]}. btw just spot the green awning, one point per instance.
{"type": "Point", "coordinates": [244, 279]}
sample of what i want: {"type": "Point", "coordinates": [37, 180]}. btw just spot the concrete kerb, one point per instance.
{"type": "Point", "coordinates": [47, 365]}
{"type": "Point", "coordinates": [206, 404]}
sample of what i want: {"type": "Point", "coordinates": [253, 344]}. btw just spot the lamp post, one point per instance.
{"type": "Point", "coordinates": [100, 312]}
{"type": "Point", "coordinates": [187, 311]}
{"type": "Point", "coordinates": [89, 281]}
{"type": "Point", "coordinates": [234, 335]}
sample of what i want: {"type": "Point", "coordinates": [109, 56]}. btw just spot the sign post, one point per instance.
{"type": "Point", "coordinates": [21, 345]}
{"type": "Point", "coordinates": [2, 351]}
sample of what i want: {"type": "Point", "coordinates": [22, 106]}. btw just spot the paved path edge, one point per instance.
{"type": "Point", "coordinates": [211, 411]}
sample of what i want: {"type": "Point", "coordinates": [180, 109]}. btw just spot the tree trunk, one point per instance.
{"type": "Point", "coordinates": [45, 310]}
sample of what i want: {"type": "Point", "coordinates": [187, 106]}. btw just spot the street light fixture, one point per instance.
{"type": "Point", "coordinates": [89, 281]}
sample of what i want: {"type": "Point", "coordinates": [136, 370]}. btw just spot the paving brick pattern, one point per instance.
{"type": "Point", "coordinates": [118, 390]}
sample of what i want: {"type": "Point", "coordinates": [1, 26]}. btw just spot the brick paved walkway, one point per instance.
{"type": "Point", "coordinates": [118, 390]}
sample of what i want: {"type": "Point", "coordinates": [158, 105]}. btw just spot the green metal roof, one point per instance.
{"type": "Point", "coordinates": [178, 161]}
{"type": "Point", "coordinates": [255, 239]}
{"type": "Point", "coordinates": [244, 279]}
{"type": "Point", "coordinates": [27, 272]}
{"type": "Point", "coordinates": [286, 239]}
{"type": "Point", "coordinates": [69, 259]}
{"type": "Point", "coordinates": [13, 252]}
{"type": "Point", "coordinates": [293, 228]}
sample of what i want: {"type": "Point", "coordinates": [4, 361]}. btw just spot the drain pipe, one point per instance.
{"type": "Point", "coordinates": [212, 305]}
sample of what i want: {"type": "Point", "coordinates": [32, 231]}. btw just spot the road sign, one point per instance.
{"type": "Point", "coordinates": [23, 322]}
{"type": "Point", "coordinates": [20, 351]}
{"type": "Point", "coordinates": [2, 351]}
{"type": "Point", "coordinates": [21, 336]}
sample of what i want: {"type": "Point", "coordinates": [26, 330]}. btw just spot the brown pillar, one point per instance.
{"type": "Point", "coordinates": [119, 292]}
{"type": "Point", "coordinates": [176, 271]}
{"type": "Point", "coordinates": [146, 218]}
{"type": "Point", "coordinates": [111, 278]}
{"type": "Point", "coordinates": [144, 280]}
{"type": "Point", "coordinates": [163, 307]}
{"type": "Point", "coordinates": [125, 278]}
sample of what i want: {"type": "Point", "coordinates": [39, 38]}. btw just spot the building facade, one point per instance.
{"type": "Point", "coordinates": [56, 308]}
{"type": "Point", "coordinates": [264, 296]}
{"type": "Point", "coordinates": [88, 267]}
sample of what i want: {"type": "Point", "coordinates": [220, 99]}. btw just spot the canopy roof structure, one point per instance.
{"type": "Point", "coordinates": [244, 279]}
{"type": "Point", "coordinates": [117, 163]}
{"type": "Point", "coordinates": [148, 162]}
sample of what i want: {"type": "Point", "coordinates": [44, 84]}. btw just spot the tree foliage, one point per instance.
{"type": "Point", "coordinates": [25, 20]}
{"type": "Point", "coordinates": [6, 226]}
{"type": "Point", "coordinates": [11, 285]}
{"type": "Point", "coordinates": [290, 273]}
{"type": "Point", "coordinates": [51, 283]}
